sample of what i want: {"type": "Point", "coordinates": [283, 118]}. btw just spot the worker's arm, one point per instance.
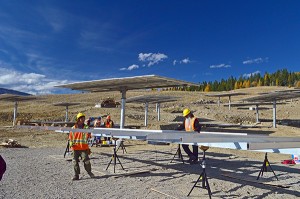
{"type": "Point", "coordinates": [197, 125]}
{"type": "Point", "coordinates": [70, 141]}
{"type": "Point", "coordinates": [181, 126]}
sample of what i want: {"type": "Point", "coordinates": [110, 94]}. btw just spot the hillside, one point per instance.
{"type": "Point", "coordinates": [9, 91]}
{"type": "Point", "coordinates": [288, 113]}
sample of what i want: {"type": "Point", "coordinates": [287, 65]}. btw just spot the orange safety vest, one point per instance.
{"type": "Point", "coordinates": [189, 124]}
{"type": "Point", "coordinates": [109, 124]}
{"type": "Point", "coordinates": [79, 140]}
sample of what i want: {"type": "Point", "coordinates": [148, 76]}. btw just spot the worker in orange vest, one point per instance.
{"type": "Point", "coordinates": [190, 123]}
{"type": "Point", "coordinates": [79, 144]}
{"type": "Point", "coordinates": [108, 122]}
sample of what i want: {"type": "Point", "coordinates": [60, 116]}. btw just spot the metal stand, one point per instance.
{"type": "Point", "coordinates": [67, 149]}
{"type": "Point", "coordinates": [178, 152]}
{"type": "Point", "coordinates": [122, 146]}
{"type": "Point", "coordinates": [115, 156]}
{"type": "Point", "coordinates": [203, 176]}
{"type": "Point", "coordinates": [264, 168]}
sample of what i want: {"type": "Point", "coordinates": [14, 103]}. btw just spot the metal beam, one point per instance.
{"type": "Point", "coordinates": [123, 103]}
{"type": "Point", "coordinates": [158, 111]}
{"type": "Point", "coordinates": [15, 113]}
{"type": "Point", "coordinates": [146, 113]}
{"type": "Point", "coordinates": [278, 145]}
{"type": "Point", "coordinates": [257, 114]}
{"type": "Point", "coordinates": [274, 113]}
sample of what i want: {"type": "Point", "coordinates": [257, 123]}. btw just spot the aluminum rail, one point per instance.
{"type": "Point", "coordinates": [169, 135]}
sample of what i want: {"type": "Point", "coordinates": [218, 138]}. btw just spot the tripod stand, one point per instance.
{"type": "Point", "coordinates": [203, 176]}
{"type": "Point", "coordinates": [115, 156]}
{"type": "Point", "coordinates": [67, 151]}
{"type": "Point", "coordinates": [178, 152]}
{"type": "Point", "coordinates": [122, 146]}
{"type": "Point", "coordinates": [264, 168]}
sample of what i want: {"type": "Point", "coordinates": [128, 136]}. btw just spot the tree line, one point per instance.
{"type": "Point", "coordinates": [278, 78]}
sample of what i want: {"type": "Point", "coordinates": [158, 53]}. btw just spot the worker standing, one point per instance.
{"type": "Point", "coordinates": [97, 122]}
{"type": "Point", "coordinates": [190, 123]}
{"type": "Point", "coordinates": [79, 144]}
{"type": "Point", "coordinates": [108, 122]}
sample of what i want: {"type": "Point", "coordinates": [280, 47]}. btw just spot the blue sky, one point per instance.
{"type": "Point", "coordinates": [44, 43]}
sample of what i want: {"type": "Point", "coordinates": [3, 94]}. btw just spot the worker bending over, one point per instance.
{"type": "Point", "coordinates": [190, 123]}
{"type": "Point", "coordinates": [80, 147]}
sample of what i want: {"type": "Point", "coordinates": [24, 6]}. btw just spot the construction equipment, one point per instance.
{"type": "Point", "coordinates": [109, 103]}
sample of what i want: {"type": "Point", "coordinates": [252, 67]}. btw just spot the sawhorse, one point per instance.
{"type": "Point", "coordinates": [203, 175]}
{"type": "Point", "coordinates": [115, 156]}
{"type": "Point", "coordinates": [178, 152]}
{"type": "Point", "coordinates": [264, 168]}
{"type": "Point", "coordinates": [122, 146]}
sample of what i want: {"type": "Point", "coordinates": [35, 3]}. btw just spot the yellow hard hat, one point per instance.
{"type": "Point", "coordinates": [79, 115]}
{"type": "Point", "coordinates": [186, 112]}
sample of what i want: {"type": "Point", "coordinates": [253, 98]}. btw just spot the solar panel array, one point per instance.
{"type": "Point", "coordinates": [66, 104]}
{"type": "Point", "coordinates": [127, 83]}
{"type": "Point", "coordinates": [224, 94]}
{"type": "Point", "coordinates": [16, 98]}
{"type": "Point", "coordinates": [275, 96]}
{"type": "Point", "coordinates": [151, 99]}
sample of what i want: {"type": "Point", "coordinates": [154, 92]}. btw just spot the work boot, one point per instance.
{"type": "Point", "coordinates": [194, 161]}
{"type": "Point", "coordinates": [192, 158]}
{"type": "Point", "coordinates": [76, 177]}
{"type": "Point", "coordinates": [91, 175]}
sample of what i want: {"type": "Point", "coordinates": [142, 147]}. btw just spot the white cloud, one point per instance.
{"type": "Point", "coordinates": [152, 58]}
{"type": "Point", "coordinates": [220, 66]}
{"type": "Point", "coordinates": [185, 61]}
{"type": "Point", "coordinates": [256, 60]}
{"type": "Point", "coordinates": [32, 83]}
{"type": "Point", "coordinates": [132, 67]}
{"type": "Point", "coordinates": [249, 74]}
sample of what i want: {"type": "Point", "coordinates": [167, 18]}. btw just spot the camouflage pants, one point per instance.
{"type": "Point", "coordinates": [85, 158]}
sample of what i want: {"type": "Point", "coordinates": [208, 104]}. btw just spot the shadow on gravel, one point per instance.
{"type": "Point", "coordinates": [216, 165]}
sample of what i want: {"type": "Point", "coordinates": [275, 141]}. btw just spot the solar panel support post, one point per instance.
{"type": "Point", "coordinates": [67, 116]}
{"type": "Point", "coordinates": [146, 113]}
{"type": "Point", "coordinates": [158, 111]}
{"type": "Point", "coordinates": [257, 114]}
{"type": "Point", "coordinates": [229, 102]}
{"type": "Point", "coordinates": [123, 102]}
{"type": "Point", "coordinates": [274, 113]}
{"type": "Point", "coordinates": [15, 113]}
{"type": "Point", "coordinates": [202, 177]}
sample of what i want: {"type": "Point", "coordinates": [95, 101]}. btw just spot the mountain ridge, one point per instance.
{"type": "Point", "coordinates": [9, 91]}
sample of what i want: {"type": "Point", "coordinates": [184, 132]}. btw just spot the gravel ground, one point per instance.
{"type": "Point", "coordinates": [44, 173]}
